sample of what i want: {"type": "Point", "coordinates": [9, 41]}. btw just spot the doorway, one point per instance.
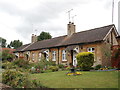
{"type": "Point", "coordinates": [74, 59]}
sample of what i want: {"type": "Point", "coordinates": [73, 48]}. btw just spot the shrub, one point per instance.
{"type": "Point", "coordinates": [22, 63]}
{"type": "Point", "coordinates": [33, 84]}
{"type": "Point", "coordinates": [85, 60]}
{"type": "Point", "coordinates": [117, 54]}
{"type": "Point", "coordinates": [8, 65]}
{"type": "Point", "coordinates": [6, 55]}
{"type": "Point", "coordinates": [44, 64]}
{"type": "Point", "coordinates": [53, 68]}
{"type": "Point", "coordinates": [61, 66]}
{"type": "Point", "coordinates": [67, 68]}
{"type": "Point", "coordinates": [98, 67]}
{"type": "Point", "coordinates": [110, 67]}
{"type": "Point", "coordinates": [14, 78]}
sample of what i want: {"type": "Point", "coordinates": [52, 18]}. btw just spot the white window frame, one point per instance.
{"type": "Point", "coordinates": [90, 49]}
{"type": "Point", "coordinates": [33, 56]}
{"type": "Point", "coordinates": [39, 56]}
{"type": "Point", "coordinates": [17, 54]}
{"type": "Point", "coordinates": [64, 55]}
{"type": "Point", "coordinates": [28, 53]}
{"type": "Point", "coordinates": [47, 54]}
{"type": "Point", "coordinates": [53, 55]}
{"type": "Point", "coordinates": [76, 49]}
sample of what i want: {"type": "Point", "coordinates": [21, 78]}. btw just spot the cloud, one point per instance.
{"type": "Point", "coordinates": [48, 15]}
{"type": "Point", "coordinates": [43, 13]}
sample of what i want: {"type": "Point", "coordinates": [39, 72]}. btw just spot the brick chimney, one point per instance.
{"type": "Point", "coordinates": [33, 38]}
{"type": "Point", "coordinates": [71, 28]}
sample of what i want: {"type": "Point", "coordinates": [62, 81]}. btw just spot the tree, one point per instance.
{"type": "Point", "coordinates": [2, 42]}
{"type": "Point", "coordinates": [6, 55]}
{"type": "Point", "coordinates": [44, 35]}
{"type": "Point", "coordinates": [16, 44]}
{"type": "Point", "coordinates": [85, 60]}
{"type": "Point", "coordinates": [8, 46]}
{"type": "Point", "coordinates": [106, 54]}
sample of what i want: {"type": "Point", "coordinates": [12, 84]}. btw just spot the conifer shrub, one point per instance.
{"type": "Point", "coordinates": [85, 60]}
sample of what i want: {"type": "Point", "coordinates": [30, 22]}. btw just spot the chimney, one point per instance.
{"type": "Point", "coordinates": [71, 29]}
{"type": "Point", "coordinates": [33, 38]}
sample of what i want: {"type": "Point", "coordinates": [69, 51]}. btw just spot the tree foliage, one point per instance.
{"type": "Point", "coordinates": [2, 42]}
{"type": "Point", "coordinates": [6, 55]}
{"type": "Point", "coordinates": [85, 60]}
{"type": "Point", "coordinates": [15, 44]}
{"type": "Point", "coordinates": [44, 35]}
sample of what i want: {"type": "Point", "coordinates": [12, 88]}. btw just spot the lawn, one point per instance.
{"type": "Point", "coordinates": [103, 79]}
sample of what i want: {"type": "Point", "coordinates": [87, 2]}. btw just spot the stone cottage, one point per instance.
{"type": "Point", "coordinates": [63, 49]}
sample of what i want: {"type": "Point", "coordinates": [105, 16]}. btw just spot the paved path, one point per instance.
{"type": "Point", "coordinates": [3, 86]}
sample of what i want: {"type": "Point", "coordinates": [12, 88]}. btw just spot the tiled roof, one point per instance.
{"type": "Point", "coordinates": [88, 36]}
{"type": "Point", "coordinates": [9, 49]}
{"type": "Point", "coordinates": [22, 47]}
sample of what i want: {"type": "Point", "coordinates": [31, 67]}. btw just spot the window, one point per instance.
{"type": "Point", "coordinates": [39, 56]}
{"type": "Point", "coordinates": [81, 47]}
{"type": "Point", "coordinates": [91, 49]}
{"type": "Point", "coordinates": [64, 55]}
{"type": "Point", "coordinates": [47, 57]}
{"type": "Point", "coordinates": [54, 55]}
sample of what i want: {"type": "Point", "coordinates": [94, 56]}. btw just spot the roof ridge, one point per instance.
{"type": "Point", "coordinates": [51, 38]}
{"type": "Point", "coordinates": [95, 28]}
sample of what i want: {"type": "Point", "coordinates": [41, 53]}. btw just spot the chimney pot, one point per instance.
{"type": "Point", "coordinates": [71, 29]}
{"type": "Point", "coordinates": [33, 38]}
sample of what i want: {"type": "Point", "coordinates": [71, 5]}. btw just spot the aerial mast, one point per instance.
{"type": "Point", "coordinates": [69, 14]}
{"type": "Point", "coordinates": [112, 11]}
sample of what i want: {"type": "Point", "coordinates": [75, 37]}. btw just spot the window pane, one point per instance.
{"type": "Point", "coordinates": [93, 49]}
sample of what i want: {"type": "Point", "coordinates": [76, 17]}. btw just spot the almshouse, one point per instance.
{"type": "Point", "coordinates": [63, 49]}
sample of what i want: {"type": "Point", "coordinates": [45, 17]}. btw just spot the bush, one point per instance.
{"type": "Point", "coordinates": [68, 68]}
{"type": "Point", "coordinates": [22, 63]}
{"type": "Point", "coordinates": [35, 84]}
{"type": "Point", "coordinates": [98, 67]}
{"type": "Point", "coordinates": [8, 65]}
{"type": "Point", "coordinates": [6, 55]}
{"type": "Point", "coordinates": [53, 68]}
{"type": "Point", "coordinates": [85, 60]}
{"type": "Point", "coordinates": [14, 78]}
{"type": "Point", "coordinates": [61, 66]}
{"type": "Point", "coordinates": [43, 65]}
{"type": "Point", "coordinates": [110, 67]}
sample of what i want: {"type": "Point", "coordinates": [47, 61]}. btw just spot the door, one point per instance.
{"type": "Point", "coordinates": [74, 59]}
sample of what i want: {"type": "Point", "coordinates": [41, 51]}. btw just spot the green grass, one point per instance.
{"type": "Point", "coordinates": [59, 79]}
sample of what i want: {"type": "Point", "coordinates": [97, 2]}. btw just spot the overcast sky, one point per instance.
{"type": "Point", "coordinates": [20, 18]}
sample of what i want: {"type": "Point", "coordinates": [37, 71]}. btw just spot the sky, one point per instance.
{"type": "Point", "coordinates": [19, 19]}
